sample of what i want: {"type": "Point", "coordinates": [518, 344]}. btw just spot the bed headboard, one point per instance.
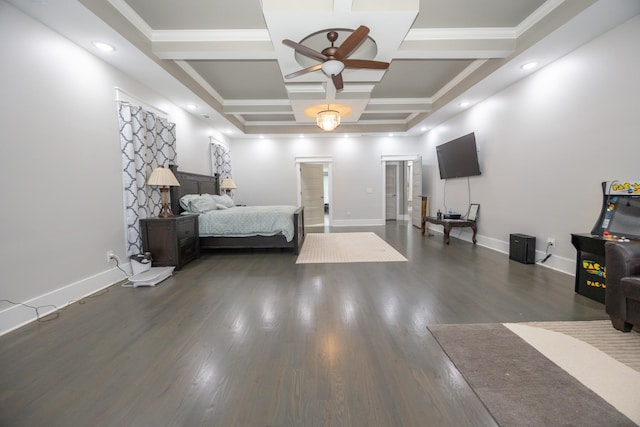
{"type": "Point", "coordinates": [191, 183]}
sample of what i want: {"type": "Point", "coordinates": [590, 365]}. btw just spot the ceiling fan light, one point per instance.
{"type": "Point", "coordinates": [328, 120]}
{"type": "Point", "coordinates": [332, 67]}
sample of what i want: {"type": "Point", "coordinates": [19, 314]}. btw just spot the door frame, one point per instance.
{"type": "Point", "coordinates": [396, 166]}
{"type": "Point", "coordinates": [324, 160]}
{"type": "Point", "coordinates": [383, 162]}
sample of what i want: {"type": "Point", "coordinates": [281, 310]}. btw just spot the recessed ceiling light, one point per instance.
{"type": "Point", "coordinates": [191, 106]}
{"type": "Point", "coordinates": [529, 65]}
{"type": "Point", "coordinates": [464, 103]}
{"type": "Point", "coordinates": [104, 46]}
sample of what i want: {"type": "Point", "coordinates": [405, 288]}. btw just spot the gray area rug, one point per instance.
{"type": "Point", "coordinates": [518, 385]}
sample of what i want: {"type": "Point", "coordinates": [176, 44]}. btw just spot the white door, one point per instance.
{"type": "Point", "coordinates": [391, 191]}
{"type": "Point", "coordinates": [312, 193]}
{"type": "Point", "coordinates": [416, 191]}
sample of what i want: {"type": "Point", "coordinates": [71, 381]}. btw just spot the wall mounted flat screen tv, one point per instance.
{"type": "Point", "coordinates": [458, 158]}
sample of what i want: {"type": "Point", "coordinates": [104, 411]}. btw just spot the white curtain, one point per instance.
{"type": "Point", "coordinates": [147, 141]}
{"type": "Point", "coordinates": [220, 160]}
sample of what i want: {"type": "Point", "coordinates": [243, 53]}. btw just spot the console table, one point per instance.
{"type": "Point", "coordinates": [448, 224]}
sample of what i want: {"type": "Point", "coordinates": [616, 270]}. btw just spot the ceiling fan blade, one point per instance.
{"type": "Point", "coordinates": [304, 50]}
{"type": "Point", "coordinates": [364, 63]}
{"type": "Point", "coordinates": [352, 42]}
{"type": "Point", "coordinates": [304, 71]}
{"type": "Point", "coordinates": [337, 81]}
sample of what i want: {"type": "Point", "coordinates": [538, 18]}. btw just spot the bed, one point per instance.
{"type": "Point", "coordinates": [291, 235]}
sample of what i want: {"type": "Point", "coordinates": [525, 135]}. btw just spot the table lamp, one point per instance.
{"type": "Point", "coordinates": [227, 185]}
{"type": "Point", "coordinates": [163, 178]}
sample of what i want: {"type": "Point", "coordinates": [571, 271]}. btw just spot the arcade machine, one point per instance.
{"type": "Point", "coordinates": [620, 221]}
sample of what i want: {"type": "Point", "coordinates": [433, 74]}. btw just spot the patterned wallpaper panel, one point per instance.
{"type": "Point", "coordinates": [147, 141]}
{"type": "Point", "coordinates": [220, 160]}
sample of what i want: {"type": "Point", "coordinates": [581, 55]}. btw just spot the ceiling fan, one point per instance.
{"type": "Point", "coordinates": [334, 59]}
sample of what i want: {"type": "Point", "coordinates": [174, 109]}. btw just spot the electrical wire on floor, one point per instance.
{"type": "Point", "coordinates": [547, 254]}
{"type": "Point", "coordinates": [120, 268]}
{"type": "Point", "coordinates": [37, 309]}
{"type": "Point", "coordinates": [56, 313]}
{"type": "Point", "coordinates": [127, 283]}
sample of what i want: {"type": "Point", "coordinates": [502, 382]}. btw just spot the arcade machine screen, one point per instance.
{"type": "Point", "coordinates": [624, 221]}
{"type": "Point", "coordinates": [620, 215]}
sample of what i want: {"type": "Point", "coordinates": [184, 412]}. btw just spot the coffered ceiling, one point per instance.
{"type": "Point", "coordinates": [230, 55]}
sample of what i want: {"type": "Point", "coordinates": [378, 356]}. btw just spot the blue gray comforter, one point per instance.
{"type": "Point", "coordinates": [243, 221]}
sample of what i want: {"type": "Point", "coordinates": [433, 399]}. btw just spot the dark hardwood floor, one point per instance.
{"type": "Point", "coordinates": [249, 338]}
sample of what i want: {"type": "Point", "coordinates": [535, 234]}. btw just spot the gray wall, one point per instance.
{"type": "Point", "coordinates": [546, 144]}
{"type": "Point", "coordinates": [265, 172]}
{"type": "Point", "coordinates": [62, 167]}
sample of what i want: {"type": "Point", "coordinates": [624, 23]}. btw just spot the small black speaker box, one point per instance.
{"type": "Point", "coordinates": [522, 248]}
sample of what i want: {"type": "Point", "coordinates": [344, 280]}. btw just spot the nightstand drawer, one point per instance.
{"type": "Point", "coordinates": [186, 229]}
{"type": "Point", "coordinates": [188, 249]}
{"type": "Point", "coordinates": [187, 241]}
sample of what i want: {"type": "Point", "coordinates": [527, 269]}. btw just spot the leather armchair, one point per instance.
{"type": "Point", "coordinates": [622, 293]}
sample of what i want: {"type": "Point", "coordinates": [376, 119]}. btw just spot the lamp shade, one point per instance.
{"type": "Point", "coordinates": [328, 120]}
{"type": "Point", "coordinates": [228, 184]}
{"type": "Point", "coordinates": [162, 177]}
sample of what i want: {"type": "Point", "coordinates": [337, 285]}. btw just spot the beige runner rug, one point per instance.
{"type": "Point", "coordinates": [346, 247]}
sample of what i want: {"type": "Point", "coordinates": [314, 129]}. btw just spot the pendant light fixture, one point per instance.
{"type": "Point", "coordinates": [328, 119]}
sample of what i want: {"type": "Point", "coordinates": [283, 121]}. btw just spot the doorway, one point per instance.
{"type": "Point", "coordinates": [391, 191]}
{"type": "Point", "coordinates": [314, 190]}
{"type": "Point", "coordinates": [402, 183]}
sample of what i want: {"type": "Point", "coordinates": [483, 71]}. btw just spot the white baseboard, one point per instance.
{"type": "Point", "coordinates": [561, 264]}
{"type": "Point", "coordinates": [357, 222]}
{"type": "Point", "coordinates": [16, 316]}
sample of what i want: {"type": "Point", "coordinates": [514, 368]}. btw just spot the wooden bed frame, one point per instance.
{"type": "Point", "coordinates": [193, 183]}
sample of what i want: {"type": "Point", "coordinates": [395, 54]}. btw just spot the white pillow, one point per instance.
{"type": "Point", "coordinates": [184, 200]}
{"type": "Point", "coordinates": [221, 207]}
{"type": "Point", "coordinates": [223, 200]}
{"type": "Point", "coordinates": [197, 203]}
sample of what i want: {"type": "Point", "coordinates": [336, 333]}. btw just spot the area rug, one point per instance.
{"type": "Point", "coordinates": [623, 347]}
{"type": "Point", "coordinates": [346, 247]}
{"type": "Point", "coordinates": [521, 386]}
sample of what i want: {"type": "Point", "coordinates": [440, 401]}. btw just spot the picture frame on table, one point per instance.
{"type": "Point", "coordinates": [474, 209]}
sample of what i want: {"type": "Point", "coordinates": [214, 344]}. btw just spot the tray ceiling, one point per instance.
{"type": "Point", "coordinates": [231, 56]}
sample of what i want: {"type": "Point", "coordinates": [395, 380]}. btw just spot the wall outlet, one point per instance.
{"type": "Point", "coordinates": [110, 255]}
{"type": "Point", "coordinates": [551, 241]}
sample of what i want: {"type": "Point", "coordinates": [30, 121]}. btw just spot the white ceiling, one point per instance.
{"type": "Point", "coordinates": [227, 57]}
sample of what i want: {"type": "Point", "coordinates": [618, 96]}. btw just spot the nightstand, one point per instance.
{"type": "Point", "coordinates": [172, 240]}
